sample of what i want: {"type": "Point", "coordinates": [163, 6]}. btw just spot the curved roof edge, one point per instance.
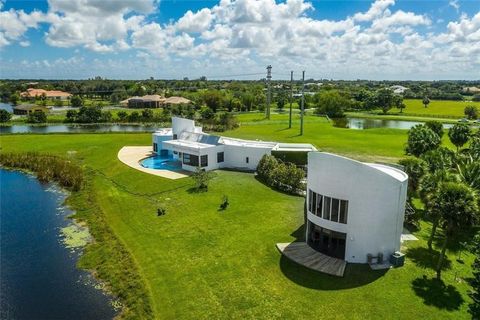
{"type": "Point", "coordinates": [392, 172]}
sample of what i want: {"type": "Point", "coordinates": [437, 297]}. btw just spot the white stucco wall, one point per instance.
{"type": "Point", "coordinates": [235, 156]}
{"type": "Point", "coordinates": [180, 124]}
{"type": "Point", "coordinates": [158, 139]}
{"type": "Point", "coordinates": [376, 203]}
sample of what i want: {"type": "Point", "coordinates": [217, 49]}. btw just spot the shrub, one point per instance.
{"type": "Point", "coordinates": [5, 116]}
{"type": "Point", "coordinates": [459, 134]}
{"type": "Point", "coordinates": [202, 178]}
{"type": "Point", "coordinates": [471, 112]}
{"type": "Point", "coordinates": [282, 176]}
{"type": "Point", "coordinates": [37, 116]}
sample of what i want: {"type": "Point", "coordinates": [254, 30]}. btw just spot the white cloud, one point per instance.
{"type": "Point", "coordinates": [380, 42]}
{"type": "Point", "coordinates": [195, 22]}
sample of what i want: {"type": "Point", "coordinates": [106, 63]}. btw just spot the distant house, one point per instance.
{"type": "Point", "coordinates": [147, 101]}
{"type": "Point", "coordinates": [25, 109]}
{"type": "Point", "coordinates": [49, 94]}
{"type": "Point", "coordinates": [153, 101]}
{"type": "Point", "coordinates": [398, 89]}
{"type": "Point", "coordinates": [472, 90]}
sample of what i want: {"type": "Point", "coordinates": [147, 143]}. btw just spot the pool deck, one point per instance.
{"type": "Point", "coordinates": [131, 156]}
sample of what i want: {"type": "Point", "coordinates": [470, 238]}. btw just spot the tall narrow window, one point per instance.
{"type": "Point", "coordinates": [247, 160]}
{"type": "Point", "coordinates": [335, 207]}
{"type": "Point", "coordinates": [314, 200]}
{"type": "Point", "coordinates": [155, 147]}
{"type": "Point", "coordinates": [310, 203]}
{"type": "Point", "coordinates": [343, 211]}
{"type": "Point", "coordinates": [326, 207]}
{"type": "Point", "coordinates": [204, 161]}
{"type": "Point", "coordinates": [220, 157]}
{"type": "Point", "coordinates": [318, 211]}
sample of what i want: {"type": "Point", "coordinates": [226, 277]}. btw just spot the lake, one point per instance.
{"type": "Point", "coordinates": [39, 278]}
{"type": "Point", "coordinates": [367, 123]}
{"type": "Point", "coordinates": [77, 128]}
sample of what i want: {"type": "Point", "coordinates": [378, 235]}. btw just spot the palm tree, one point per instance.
{"type": "Point", "coordinates": [457, 205]}
{"type": "Point", "coordinates": [426, 101]}
{"type": "Point", "coordinates": [427, 189]}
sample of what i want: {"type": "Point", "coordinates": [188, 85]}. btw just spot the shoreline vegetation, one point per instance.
{"type": "Point", "coordinates": [104, 255]}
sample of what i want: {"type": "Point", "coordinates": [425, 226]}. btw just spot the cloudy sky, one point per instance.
{"type": "Point", "coordinates": [137, 39]}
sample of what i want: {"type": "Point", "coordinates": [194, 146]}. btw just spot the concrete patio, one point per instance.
{"type": "Point", "coordinates": [131, 156]}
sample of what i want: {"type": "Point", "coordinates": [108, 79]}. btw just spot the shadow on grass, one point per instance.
{"type": "Point", "coordinates": [435, 293]}
{"type": "Point", "coordinates": [356, 275]}
{"type": "Point", "coordinates": [197, 190]}
{"type": "Point", "coordinates": [425, 258]}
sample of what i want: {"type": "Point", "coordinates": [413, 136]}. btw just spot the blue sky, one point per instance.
{"type": "Point", "coordinates": [137, 39]}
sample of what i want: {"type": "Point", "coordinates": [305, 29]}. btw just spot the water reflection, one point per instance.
{"type": "Point", "coordinates": [364, 123]}
{"type": "Point", "coordinates": [78, 128]}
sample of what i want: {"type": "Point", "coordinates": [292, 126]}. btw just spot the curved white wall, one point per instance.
{"type": "Point", "coordinates": [376, 197]}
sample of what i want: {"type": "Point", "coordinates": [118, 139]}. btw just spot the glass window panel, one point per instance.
{"type": "Point", "coordinates": [335, 207]}
{"type": "Point", "coordinates": [310, 196]}
{"type": "Point", "coordinates": [343, 211]}
{"type": "Point", "coordinates": [326, 207]}
{"type": "Point", "coordinates": [314, 200]}
{"type": "Point", "coordinates": [319, 205]}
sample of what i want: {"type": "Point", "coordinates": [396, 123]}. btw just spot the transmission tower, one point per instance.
{"type": "Point", "coordinates": [302, 111]}
{"type": "Point", "coordinates": [291, 100]}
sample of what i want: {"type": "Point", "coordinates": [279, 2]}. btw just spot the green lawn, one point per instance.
{"type": "Point", "coordinates": [199, 263]}
{"type": "Point", "coordinates": [435, 108]}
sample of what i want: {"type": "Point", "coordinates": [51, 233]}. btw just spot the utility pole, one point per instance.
{"type": "Point", "coordinates": [291, 98]}
{"type": "Point", "coordinates": [269, 94]}
{"type": "Point", "coordinates": [302, 111]}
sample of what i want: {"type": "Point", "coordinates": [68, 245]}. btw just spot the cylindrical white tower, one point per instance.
{"type": "Point", "coordinates": [354, 208]}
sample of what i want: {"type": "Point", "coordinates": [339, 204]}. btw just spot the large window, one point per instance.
{"type": "Point", "coordinates": [220, 157]}
{"type": "Point", "coordinates": [328, 208]}
{"type": "Point", "coordinates": [190, 160]}
{"type": "Point", "coordinates": [204, 161]}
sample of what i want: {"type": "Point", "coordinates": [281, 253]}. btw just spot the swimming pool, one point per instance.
{"type": "Point", "coordinates": [161, 163]}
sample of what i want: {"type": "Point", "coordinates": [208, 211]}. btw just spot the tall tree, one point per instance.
{"type": "Point", "coordinates": [457, 205]}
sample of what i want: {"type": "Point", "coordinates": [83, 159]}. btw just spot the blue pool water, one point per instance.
{"type": "Point", "coordinates": [161, 162]}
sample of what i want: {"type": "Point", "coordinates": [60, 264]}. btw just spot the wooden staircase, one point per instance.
{"type": "Point", "coordinates": [303, 254]}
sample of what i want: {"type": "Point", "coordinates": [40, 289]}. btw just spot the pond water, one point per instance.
{"type": "Point", "coordinates": [364, 123]}
{"type": "Point", "coordinates": [6, 106]}
{"type": "Point", "coordinates": [77, 128]}
{"type": "Point", "coordinates": [39, 279]}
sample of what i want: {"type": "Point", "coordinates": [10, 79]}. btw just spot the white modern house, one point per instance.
{"type": "Point", "coordinates": [354, 209]}
{"type": "Point", "coordinates": [187, 143]}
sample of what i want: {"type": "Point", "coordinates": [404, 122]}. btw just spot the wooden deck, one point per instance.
{"type": "Point", "coordinates": [303, 254]}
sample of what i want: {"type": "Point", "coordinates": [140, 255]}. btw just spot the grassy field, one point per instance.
{"type": "Point", "coordinates": [436, 108]}
{"type": "Point", "coordinates": [372, 144]}
{"type": "Point", "coordinates": [199, 263]}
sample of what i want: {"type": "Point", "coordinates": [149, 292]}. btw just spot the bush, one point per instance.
{"type": "Point", "coordinates": [37, 116]}
{"type": "Point", "coordinates": [5, 116]}
{"type": "Point", "coordinates": [459, 134]}
{"type": "Point", "coordinates": [471, 112]}
{"type": "Point", "coordinates": [76, 102]}
{"type": "Point", "coordinates": [202, 179]}
{"type": "Point", "coordinates": [282, 176]}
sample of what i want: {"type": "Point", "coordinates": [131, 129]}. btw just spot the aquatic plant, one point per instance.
{"type": "Point", "coordinates": [47, 167]}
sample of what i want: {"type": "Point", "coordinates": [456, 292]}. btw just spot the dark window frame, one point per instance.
{"type": "Point", "coordinates": [220, 157]}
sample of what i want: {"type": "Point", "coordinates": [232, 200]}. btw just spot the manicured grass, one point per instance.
{"type": "Point", "coordinates": [200, 263]}
{"type": "Point", "coordinates": [435, 108]}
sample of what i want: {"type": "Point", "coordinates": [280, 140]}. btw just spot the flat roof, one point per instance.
{"type": "Point", "coordinates": [248, 143]}
{"type": "Point", "coordinates": [391, 171]}
{"type": "Point", "coordinates": [188, 144]}
{"type": "Point", "coordinates": [292, 147]}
